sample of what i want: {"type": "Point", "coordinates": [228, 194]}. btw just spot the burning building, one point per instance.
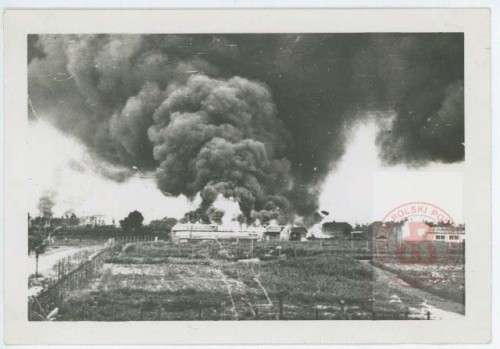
{"type": "Point", "coordinates": [277, 232]}
{"type": "Point", "coordinates": [328, 230]}
{"type": "Point", "coordinates": [298, 233]}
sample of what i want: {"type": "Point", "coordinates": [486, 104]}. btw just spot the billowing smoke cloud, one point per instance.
{"type": "Point", "coordinates": [46, 203]}
{"type": "Point", "coordinates": [425, 86]}
{"type": "Point", "coordinates": [103, 89]}
{"type": "Point", "coordinates": [261, 118]}
{"type": "Point", "coordinates": [223, 137]}
{"type": "Point", "coordinates": [436, 132]}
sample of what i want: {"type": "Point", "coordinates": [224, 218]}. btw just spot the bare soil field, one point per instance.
{"type": "Point", "coordinates": [221, 281]}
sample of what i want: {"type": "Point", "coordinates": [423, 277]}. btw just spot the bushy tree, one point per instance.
{"type": "Point", "coordinates": [132, 222]}
{"type": "Point", "coordinates": [163, 226]}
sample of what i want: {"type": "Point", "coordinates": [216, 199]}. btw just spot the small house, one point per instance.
{"type": "Point", "coordinates": [337, 229]}
{"type": "Point", "coordinates": [357, 234]}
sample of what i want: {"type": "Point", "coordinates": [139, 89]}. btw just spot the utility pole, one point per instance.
{"type": "Point", "coordinates": [38, 250]}
{"type": "Point", "coordinates": [37, 253]}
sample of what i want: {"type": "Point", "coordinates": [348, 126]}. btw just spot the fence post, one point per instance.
{"type": "Point", "coordinates": [407, 313]}
{"type": "Point", "coordinates": [281, 306]}
{"type": "Point", "coordinates": [256, 313]}
{"type": "Point", "coordinates": [36, 267]}
{"type": "Point", "coordinates": [428, 315]}
{"type": "Point", "coordinates": [158, 312]}
{"type": "Point", "coordinates": [83, 311]}
{"type": "Point", "coordinates": [141, 312]}
{"type": "Point", "coordinates": [199, 312]}
{"type": "Point", "coordinates": [317, 313]}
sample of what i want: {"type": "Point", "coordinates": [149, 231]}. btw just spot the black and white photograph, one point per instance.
{"type": "Point", "coordinates": [247, 176]}
{"type": "Point", "coordinates": [230, 177]}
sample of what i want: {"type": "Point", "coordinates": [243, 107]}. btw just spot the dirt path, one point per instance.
{"type": "Point", "coordinates": [440, 308]}
{"type": "Point", "coordinates": [47, 260]}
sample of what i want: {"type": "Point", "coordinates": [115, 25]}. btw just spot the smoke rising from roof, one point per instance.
{"type": "Point", "coordinates": [261, 118]}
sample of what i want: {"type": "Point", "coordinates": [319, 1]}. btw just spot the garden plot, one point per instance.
{"type": "Point", "coordinates": [306, 281]}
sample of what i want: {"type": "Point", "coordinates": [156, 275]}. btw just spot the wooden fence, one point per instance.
{"type": "Point", "coordinates": [73, 273]}
{"type": "Point", "coordinates": [51, 297]}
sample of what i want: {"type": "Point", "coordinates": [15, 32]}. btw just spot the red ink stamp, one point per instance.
{"type": "Point", "coordinates": [419, 242]}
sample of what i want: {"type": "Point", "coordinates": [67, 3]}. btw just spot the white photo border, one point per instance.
{"type": "Point", "coordinates": [475, 327]}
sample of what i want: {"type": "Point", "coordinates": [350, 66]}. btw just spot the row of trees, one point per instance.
{"type": "Point", "coordinates": [134, 223]}
{"type": "Point", "coordinates": [41, 229]}
{"type": "Point", "coordinates": [134, 220]}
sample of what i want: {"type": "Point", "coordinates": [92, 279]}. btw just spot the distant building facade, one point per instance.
{"type": "Point", "coordinates": [277, 232]}
{"type": "Point", "coordinates": [447, 234]}
{"type": "Point", "coordinates": [93, 221]}
{"type": "Point", "coordinates": [205, 232]}
{"type": "Point", "coordinates": [420, 231]}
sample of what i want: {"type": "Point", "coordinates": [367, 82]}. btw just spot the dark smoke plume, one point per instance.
{"type": "Point", "coordinates": [262, 118]}
{"type": "Point", "coordinates": [46, 203]}
{"type": "Point", "coordinates": [426, 89]}
{"type": "Point", "coordinates": [223, 137]}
